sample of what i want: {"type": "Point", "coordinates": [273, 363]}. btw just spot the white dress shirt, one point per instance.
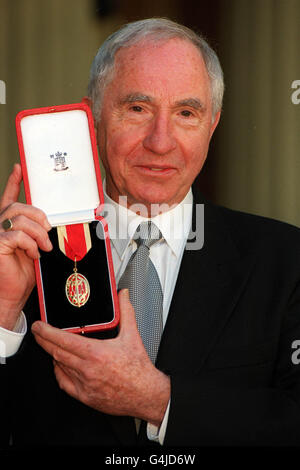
{"type": "Point", "coordinates": [166, 256]}
{"type": "Point", "coordinates": [10, 341]}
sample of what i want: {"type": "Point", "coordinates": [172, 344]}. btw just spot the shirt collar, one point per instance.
{"type": "Point", "coordinates": [174, 224]}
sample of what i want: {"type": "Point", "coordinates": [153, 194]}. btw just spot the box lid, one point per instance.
{"type": "Point", "coordinates": [60, 162]}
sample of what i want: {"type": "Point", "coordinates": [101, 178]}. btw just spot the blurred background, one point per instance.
{"type": "Point", "coordinates": [46, 49]}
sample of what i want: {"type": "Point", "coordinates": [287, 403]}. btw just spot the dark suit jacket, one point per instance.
{"type": "Point", "coordinates": [227, 347]}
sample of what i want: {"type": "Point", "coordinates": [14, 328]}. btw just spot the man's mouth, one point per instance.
{"type": "Point", "coordinates": [155, 169]}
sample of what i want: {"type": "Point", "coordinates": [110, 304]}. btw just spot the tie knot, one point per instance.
{"type": "Point", "coordinates": [147, 234]}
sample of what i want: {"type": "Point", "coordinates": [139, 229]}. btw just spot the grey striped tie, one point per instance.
{"type": "Point", "coordinates": [141, 278]}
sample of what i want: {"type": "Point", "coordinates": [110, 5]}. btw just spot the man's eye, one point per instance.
{"type": "Point", "coordinates": [136, 109]}
{"type": "Point", "coordinates": [186, 113]}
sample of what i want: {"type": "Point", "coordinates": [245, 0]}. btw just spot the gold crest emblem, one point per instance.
{"type": "Point", "coordinates": [77, 289]}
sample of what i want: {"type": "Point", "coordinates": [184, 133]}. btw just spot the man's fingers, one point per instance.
{"type": "Point", "coordinates": [51, 339]}
{"type": "Point", "coordinates": [34, 230]}
{"type": "Point", "coordinates": [17, 209]}
{"type": "Point", "coordinates": [11, 241]}
{"type": "Point", "coordinates": [64, 380]}
{"type": "Point", "coordinates": [12, 189]}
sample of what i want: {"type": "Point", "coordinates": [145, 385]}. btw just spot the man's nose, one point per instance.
{"type": "Point", "coordinates": [160, 137]}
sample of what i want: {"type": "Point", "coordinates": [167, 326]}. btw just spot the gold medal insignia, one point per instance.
{"type": "Point", "coordinates": [75, 241]}
{"type": "Point", "coordinates": [77, 289]}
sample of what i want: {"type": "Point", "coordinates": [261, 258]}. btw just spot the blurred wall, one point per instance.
{"type": "Point", "coordinates": [46, 48]}
{"type": "Point", "coordinates": [258, 157]}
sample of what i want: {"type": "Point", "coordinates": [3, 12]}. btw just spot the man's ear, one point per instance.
{"type": "Point", "coordinates": [215, 123]}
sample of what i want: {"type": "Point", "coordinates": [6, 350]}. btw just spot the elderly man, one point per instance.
{"type": "Point", "coordinates": [223, 373]}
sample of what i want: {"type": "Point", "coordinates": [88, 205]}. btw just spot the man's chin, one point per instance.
{"type": "Point", "coordinates": [151, 204]}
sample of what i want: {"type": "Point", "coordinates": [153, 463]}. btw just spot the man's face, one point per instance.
{"type": "Point", "coordinates": [156, 122]}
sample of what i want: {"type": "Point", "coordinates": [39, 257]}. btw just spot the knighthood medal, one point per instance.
{"type": "Point", "coordinates": [75, 241]}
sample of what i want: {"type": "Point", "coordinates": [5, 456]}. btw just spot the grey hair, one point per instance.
{"type": "Point", "coordinates": [154, 29]}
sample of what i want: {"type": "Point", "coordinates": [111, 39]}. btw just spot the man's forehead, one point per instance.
{"type": "Point", "coordinates": [147, 47]}
{"type": "Point", "coordinates": [171, 61]}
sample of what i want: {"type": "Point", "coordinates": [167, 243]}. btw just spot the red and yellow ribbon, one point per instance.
{"type": "Point", "coordinates": [74, 240]}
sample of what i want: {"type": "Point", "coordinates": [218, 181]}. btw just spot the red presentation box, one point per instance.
{"type": "Point", "coordinates": [61, 174]}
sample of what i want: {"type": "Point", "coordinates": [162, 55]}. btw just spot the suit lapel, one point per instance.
{"type": "Point", "coordinates": [208, 287]}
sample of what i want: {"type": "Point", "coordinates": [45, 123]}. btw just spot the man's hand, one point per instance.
{"type": "Point", "coordinates": [114, 376]}
{"type": "Point", "coordinates": [18, 248]}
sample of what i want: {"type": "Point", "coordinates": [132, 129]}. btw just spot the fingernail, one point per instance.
{"type": "Point", "coordinates": [49, 244]}
{"type": "Point", "coordinates": [48, 226]}
{"type": "Point", "coordinates": [35, 327]}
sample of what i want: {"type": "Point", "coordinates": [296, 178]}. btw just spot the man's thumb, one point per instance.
{"type": "Point", "coordinates": [127, 314]}
{"type": "Point", "coordinates": [12, 189]}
